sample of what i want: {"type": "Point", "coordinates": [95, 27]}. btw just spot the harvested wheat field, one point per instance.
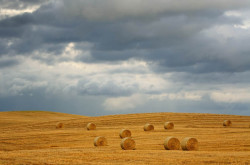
{"type": "Point", "coordinates": [30, 137]}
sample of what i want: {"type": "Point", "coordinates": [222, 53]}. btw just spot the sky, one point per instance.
{"type": "Point", "coordinates": [102, 57]}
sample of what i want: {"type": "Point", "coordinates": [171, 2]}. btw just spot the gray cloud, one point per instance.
{"type": "Point", "coordinates": [106, 87]}
{"type": "Point", "coordinates": [112, 9]}
{"type": "Point", "coordinates": [240, 79]}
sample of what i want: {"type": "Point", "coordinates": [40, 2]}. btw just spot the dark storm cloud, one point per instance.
{"type": "Point", "coordinates": [38, 100]}
{"type": "Point", "coordinates": [205, 57]}
{"type": "Point", "coordinates": [8, 63]}
{"type": "Point", "coordinates": [16, 22]}
{"type": "Point", "coordinates": [169, 37]}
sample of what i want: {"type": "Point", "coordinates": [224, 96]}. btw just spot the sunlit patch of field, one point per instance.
{"type": "Point", "coordinates": [30, 137]}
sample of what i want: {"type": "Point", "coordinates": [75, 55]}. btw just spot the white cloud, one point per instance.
{"type": "Point", "coordinates": [195, 96]}
{"type": "Point", "coordinates": [244, 15]}
{"type": "Point", "coordinates": [13, 12]}
{"type": "Point", "coordinates": [245, 25]}
{"type": "Point", "coordinates": [232, 96]}
{"type": "Point", "coordinates": [67, 76]}
{"type": "Point", "coordinates": [233, 13]}
{"type": "Point", "coordinates": [124, 103]}
{"type": "Point", "coordinates": [136, 100]}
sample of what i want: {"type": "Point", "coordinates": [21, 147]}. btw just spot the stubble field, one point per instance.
{"type": "Point", "coordinates": [30, 137]}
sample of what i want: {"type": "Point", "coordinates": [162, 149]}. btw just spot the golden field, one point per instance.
{"type": "Point", "coordinates": [31, 137]}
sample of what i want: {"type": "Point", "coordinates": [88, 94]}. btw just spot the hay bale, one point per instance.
{"type": "Point", "coordinates": [125, 133]}
{"type": "Point", "coordinates": [91, 126]}
{"type": "Point", "coordinates": [169, 125]}
{"type": "Point", "coordinates": [59, 125]}
{"type": "Point", "coordinates": [227, 123]}
{"type": "Point", "coordinates": [172, 143]}
{"type": "Point", "coordinates": [100, 141]}
{"type": "Point", "coordinates": [148, 127]}
{"type": "Point", "coordinates": [128, 143]}
{"type": "Point", "coordinates": [189, 143]}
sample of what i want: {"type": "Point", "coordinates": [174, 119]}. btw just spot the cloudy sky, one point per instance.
{"type": "Point", "coordinates": [100, 57]}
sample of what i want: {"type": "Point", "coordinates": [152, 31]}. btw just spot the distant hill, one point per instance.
{"type": "Point", "coordinates": [22, 117]}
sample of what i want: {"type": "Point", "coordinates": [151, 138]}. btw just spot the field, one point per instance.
{"type": "Point", "coordinates": [30, 137]}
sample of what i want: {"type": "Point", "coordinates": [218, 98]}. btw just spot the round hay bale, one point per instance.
{"type": "Point", "coordinates": [100, 141]}
{"type": "Point", "coordinates": [189, 143]}
{"type": "Point", "coordinates": [169, 125]}
{"type": "Point", "coordinates": [125, 133]}
{"type": "Point", "coordinates": [148, 127]}
{"type": "Point", "coordinates": [59, 125]}
{"type": "Point", "coordinates": [227, 123]}
{"type": "Point", "coordinates": [128, 143]}
{"type": "Point", "coordinates": [172, 143]}
{"type": "Point", "coordinates": [91, 126]}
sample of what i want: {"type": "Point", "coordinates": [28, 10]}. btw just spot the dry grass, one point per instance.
{"type": "Point", "coordinates": [31, 138]}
